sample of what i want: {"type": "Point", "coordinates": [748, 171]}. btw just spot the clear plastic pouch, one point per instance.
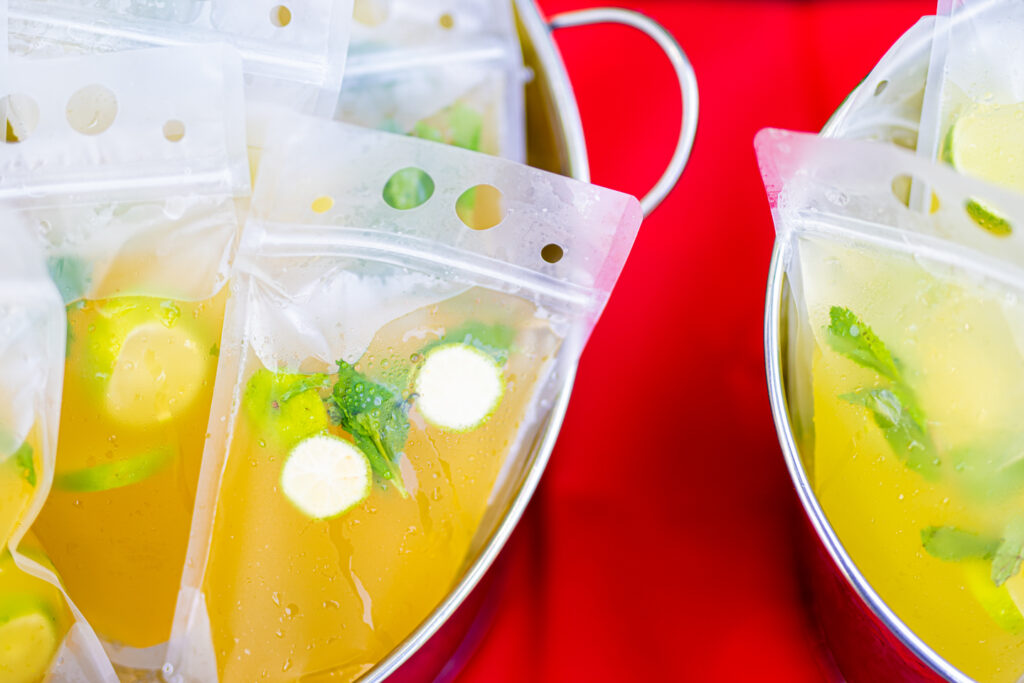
{"type": "Point", "coordinates": [130, 169]}
{"type": "Point", "coordinates": [887, 105]}
{"type": "Point", "coordinates": [445, 71]}
{"type": "Point", "coordinates": [907, 358]}
{"type": "Point", "coordinates": [42, 631]}
{"type": "Point", "coordinates": [976, 59]}
{"type": "Point", "coordinates": [353, 281]}
{"type": "Point", "coordinates": [293, 50]}
{"type": "Point", "coordinates": [461, 98]}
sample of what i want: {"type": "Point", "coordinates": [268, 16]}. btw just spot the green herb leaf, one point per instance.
{"type": "Point", "coordinates": [952, 544]}
{"type": "Point", "coordinates": [376, 417]}
{"type": "Point", "coordinates": [1008, 558]}
{"type": "Point", "coordinates": [24, 461]}
{"type": "Point", "coordinates": [897, 415]}
{"type": "Point", "coordinates": [849, 336]}
{"type": "Point", "coordinates": [71, 275]}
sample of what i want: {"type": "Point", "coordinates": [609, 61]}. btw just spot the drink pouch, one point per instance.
{"type": "Point", "coordinates": [399, 328]}
{"type": "Point", "coordinates": [973, 112]}
{"type": "Point", "coordinates": [130, 169]}
{"type": "Point", "coordinates": [886, 105]}
{"type": "Point", "coordinates": [293, 50]}
{"type": "Point", "coordinates": [469, 100]}
{"type": "Point", "coordinates": [448, 72]}
{"type": "Point", "coordinates": [905, 366]}
{"type": "Point", "coordinates": [40, 630]}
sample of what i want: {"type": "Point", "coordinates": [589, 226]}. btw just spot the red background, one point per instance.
{"type": "Point", "coordinates": [662, 542]}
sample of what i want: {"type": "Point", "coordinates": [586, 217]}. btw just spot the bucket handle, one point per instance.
{"type": "Point", "coordinates": [684, 72]}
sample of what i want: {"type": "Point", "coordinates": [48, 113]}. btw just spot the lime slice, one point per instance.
{"type": "Point", "coordinates": [987, 142]}
{"type": "Point", "coordinates": [995, 600]}
{"type": "Point", "coordinates": [458, 387]}
{"type": "Point", "coordinates": [29, 634]}
{"type": "Point", "coordinates": [27, 644]}
{"type": "Point", "coordinates": [158, 373]}
{"type": "Point", "coordinates": [325, 476]}
{"type": "Point", "coordinates": [113, 475]}
{"type": "Point", "coordinates": [285, 408]}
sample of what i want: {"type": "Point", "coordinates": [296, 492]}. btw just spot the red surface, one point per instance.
{"type": "Point", "coordinates": [662, 544]}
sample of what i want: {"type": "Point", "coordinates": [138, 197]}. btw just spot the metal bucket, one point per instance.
{"type": "Point", "coordinates": [866, 640]}
{"type": "Point", "coordinates": [443, 642]}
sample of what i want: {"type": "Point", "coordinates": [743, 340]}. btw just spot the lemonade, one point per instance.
{"type": "Point", "coordinates": [18, 481]}
{"type": "Point", "coordinates": [918, 461]}
{"type": "Point", "coordinates": [137, 388]}
{"type": "Point", "coordinates": [350, 499]}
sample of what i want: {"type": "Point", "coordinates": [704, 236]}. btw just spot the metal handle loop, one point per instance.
{"type": "Point", "coordinates": [684, 72]}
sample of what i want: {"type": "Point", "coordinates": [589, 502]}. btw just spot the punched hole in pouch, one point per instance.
{"type": "Point", "coordinates": [322, 204]}
{"type": "Point", "coordinates": [370, 12]}
{"type": "Point", "coordinates": [481, 207]}
{"type": "Point", "coordinates": [905, 188]}
{"type": "Point", "coordinates": [280, 16]}
{"type": "Point", "coordinates": [174, 130]}
{"type": "Point", "coordinates": [21, 115]}
{"type": "Point", "coordinates": [92, 109]}
{"type": "Point", "coordinates": [552, 253]}
{"type": "Point", "coordinates": [408, 188]}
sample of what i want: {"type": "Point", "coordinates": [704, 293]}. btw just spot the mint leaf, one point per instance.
{"type": "Point", "coordinates": [848, 335]}
{"type": "Point", "coordinates": [1008, 558]}
{"type": "Point", "coordinates": [71, 275]}
{"type": "Point", "coordinates": [376, 417]}
{"type": "Point", "coordinates": [951, 544]}
{"type": "Point", "coordinates": [896, 414]}
{"type": "Point", "coordinates": [24, 461]}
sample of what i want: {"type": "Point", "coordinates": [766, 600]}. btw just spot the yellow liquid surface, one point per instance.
{"type": "Point", "coordinates": [960, 351]}
{"type": "Point", "coordinates": [292, 597]}
{"type": "Point", "coordinates": [137, 389]}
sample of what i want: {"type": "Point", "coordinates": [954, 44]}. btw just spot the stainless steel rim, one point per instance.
{"type": "Point", "coordinates": [684, 74]}
{"type": "Point", "coordinates": [780, 414]}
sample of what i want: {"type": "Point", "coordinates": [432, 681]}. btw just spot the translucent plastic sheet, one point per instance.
{"type": "Point", "coordinates": [130, 169]}
{"type": "Point", "coordinates": [910, 346]}
{"type": "Point", "coordinates": [355, 284]}
{"type": "Point", "coordinates": [293, 50]}
{"type": "Point", "coordinates": [977, 58]}
{"type": "Point", "coordinates": [445, 71]}
{"type": "Point", "coordinates": [36, 618]}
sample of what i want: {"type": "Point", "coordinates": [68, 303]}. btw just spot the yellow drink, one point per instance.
{"type": "Point", "coordinates": [957, 347]}
{"type": "Point", "coordinates": [289, 596]}
{"type": "Point", "coordinates": [18, 480]}
{"type": "Point", "coordinates": [137, 390]}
